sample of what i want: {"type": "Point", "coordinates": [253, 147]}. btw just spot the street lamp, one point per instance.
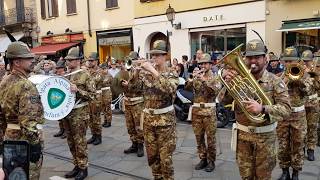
{"type": "Point", "coordinates": [170, 13]}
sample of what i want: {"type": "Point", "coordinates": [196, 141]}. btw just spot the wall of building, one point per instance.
{"type": "Point", "coordinates": [284, 10]}
{"type": "Point", "coordinates": [159, 7]}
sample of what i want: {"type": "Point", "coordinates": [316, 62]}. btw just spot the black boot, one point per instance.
{"type": "Point", "coordinates": [140, 151]}
{"type": "Point", "coordinates": [64, 135]}
{"type": "Point", "coordinates": [72, 173]}
{"type": "Point", "coordinates": [295, 175]}
{"type": "Point", "coordinates": [60, 133]}
{"type": "Point", "coordinates": [83, 173]}
{"type": "Point", "coordinates": [285, 174]}
{"type": "Point", "coordinates": [132, 149]}
{"type": "Point", "coordinates": [310, 153]}
{"type": "Point", "coordinates": [106, 124]}
{"type": "Point", "coordinates": [202, 164]}
{"type": "Point", "coordinates": [210, 167]}
{"type": "Point", "coordinates": [92, 139]}
{"type": "Point", "coordinates": [97, 140]}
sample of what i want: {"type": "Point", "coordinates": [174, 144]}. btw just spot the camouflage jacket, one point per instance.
{"type": "Point", "coordinates": [100, 77]}
{"type": "Point", "coordinates": [204, 91]}
{"type": "Point", "coordinates": [159, 93]}
{"type": "Point", "coordinates": [134, 88]}
{"type": "Point", "coordinates": [2, 74]}
{"type": "Point", "coordinates": [314, 83]}
{"type": "Point", "coordinates": [21, 105]}
{"type": "Point", "coordinates": [277, 92]}
{"type": "Point", "coordinates": [86, 85]}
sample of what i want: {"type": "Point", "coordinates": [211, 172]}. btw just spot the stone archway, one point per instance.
{"type": "Point", "coordinates": [157, 36]}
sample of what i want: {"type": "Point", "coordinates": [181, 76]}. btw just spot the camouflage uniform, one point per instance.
{"type": "Point", "coordinates": [317, 78]}
{"type": "Point", "coordinates": [133, 103]}
{"type": "Point", "coordinates": [312, 108]}
{"type": "Point", "coordinates": [204, 118]}
{"type": "Point", "coordinates": [101, 80]}
{"type": "Point", "coordinates": [78, 118]}
{"type": "Point", "coordinates": [159, 129]}
{"type": "Point", "coordinates": [291, 131]}
{"type": "Point", "coordinates": [22, 111]}
{"type": "Point", "coordinates": [256, 152]}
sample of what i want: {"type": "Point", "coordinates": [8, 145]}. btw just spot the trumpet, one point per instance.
{"type": "Point", "coordinates": [295, 71]}
{"type": "Point", "coordinates": [134, 64]}
{"type": "Point", "coordinates": [199, 73]}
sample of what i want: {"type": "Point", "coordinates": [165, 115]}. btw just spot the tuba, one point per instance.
{"type": "Point", "coordinates": [244, 86]}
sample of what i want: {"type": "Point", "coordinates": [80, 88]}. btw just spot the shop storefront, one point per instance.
{"type": "Point", "coordinates": [114, 43]}
{"type": "Point", "coordinates": [218, 29]}
{"type": "Point", "coordinates": [57, 46]}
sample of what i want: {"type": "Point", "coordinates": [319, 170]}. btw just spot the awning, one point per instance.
{"type": "Point", "coordinates": [52, 49]}
{"type": "Point", "coordinates": [5, 41]}
{"type": "Point", "coordinates": [299, 25]}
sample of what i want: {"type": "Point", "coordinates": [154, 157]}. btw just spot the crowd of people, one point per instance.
{"type": "Point", "coordinates": [284, 106]}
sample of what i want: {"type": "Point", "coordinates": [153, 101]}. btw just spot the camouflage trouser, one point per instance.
{"type": "Point", "coordinates": [205, 125]}
{"type": "Point", "coordinates": [61, 125]}
{"type": "Point", "coordinates": [76, 137]}
{"type": "Point", "coordinates": [312, 126]}
{"type": "Point", "coordinates": [35, 169]}
{"type": "Point", "coordinates": [107, 107]}
{"type": "Point", "coordinates": [318, 131]}
{"type": "Point", "coordinates": [95, 118]}
{"type": "Point", "coordinates": [291, 133]}
{"type": "Point", "coordinates": [133, 115]}
{"type": "Point", "coordinates": [160, 142]}
{"type": "Point", "coordinates": [256, 155]}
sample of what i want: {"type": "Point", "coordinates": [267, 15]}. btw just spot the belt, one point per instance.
{"type": "Point", "coordinates": [135, 99]}
{"type": "Point", "coordinates": [80, 105]}
{"type": "Point", "coordinates": [314, 96]}
{"type": "Point", "coordinates": [258, 130]}
{"type": "Point", "coordinates": [200, 105]}
{"type": "Point", "coordinates": [159, 111]}
{"type": "Point", "coordinates": [298, 109]}
{"type": "Point", "coordinates": [105, 88]}
{"type": "Point", "coordinates": [13, 126]}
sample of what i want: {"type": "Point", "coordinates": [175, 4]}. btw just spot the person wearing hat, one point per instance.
{"type": "Point", "coordinates": [205, 87]}
{"type": "Point", "coordinates": [84, 87]}
{"type": "Point", "coordinates": [133, 103]}
{"type": "Point", "coordinates": [159, 84]}
{"type": "Point", "coordinates": [317, 69]}
{"type": "Point", "coordinates": [274, 65]}
{"type": "Point", "coordinates": [60, 70]}
{"type": "Point", "coordinates": [21, 111]}
{"type": "Point", "coordinates": [312, 106]}
{"type": "Point", "coordinates": [113, 71]}
{"type": "Point", "coordinates": [98, 105]}
{"type": "Point", "coordinates": [254, 142]}
{"type": "Point", "coordinates": [291, 131]}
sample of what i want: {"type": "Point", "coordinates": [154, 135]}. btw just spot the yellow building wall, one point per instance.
{"type": "Point", "coordinates": [9, 4]}
{"type": "Point", "coordinates": [284, 10]}
{"type": "Point", "coordinates": [160, 7]}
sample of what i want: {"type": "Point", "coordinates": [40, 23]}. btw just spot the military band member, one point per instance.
{"type": "Point", "coordinates": [84, 87]}
{"type": "Point", "coordinates": [317, 69]}
{"type": "Point", "coordinates": [205, 86]}
{"type": "Point", "coordinates": [312, 106]}
{"type": "Point", "coordinates": [60, 71]}
{"type": "Point", "coordinates": [133, 103]}
{"type": "Point", "coordinates": [255, 147]}
{"type": "Point", "coordinates": [291, 131]}
{"type": "Point", "coordinates": [159, 125]}
{"type": "Point", "coordinates": [102, 80]}
{"type": "Point", "coordinates": [21, 111]}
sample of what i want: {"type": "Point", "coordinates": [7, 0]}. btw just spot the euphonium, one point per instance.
{"type": "Point", "coordinates": [294, 71]}
{"type": "Point", "coordinates": [244, 86]}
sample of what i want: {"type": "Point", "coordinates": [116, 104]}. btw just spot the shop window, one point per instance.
{"type": "Point", "coordinates": [218, 42]}
{"type": "Point", "coordinates": [53, 8]}
{"type": "Point", "coordinates": [112, 3]}
{"type": "Point", "coordinates": [71, 7]}
{"type": "Point", "coordinates": [303, 39]}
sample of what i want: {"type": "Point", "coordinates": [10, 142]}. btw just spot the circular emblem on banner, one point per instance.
{"type": "Point", "coordinates": [56, 98]}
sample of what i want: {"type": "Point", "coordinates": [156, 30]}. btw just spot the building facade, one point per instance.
{"type": "Point", "coordinates": [97, 26]}
{"type": "Point", "coordinates": [213, 26]}
{"type": "Point", "coordinates": [293, 23]}
{"type": "Point", "coordinates": [18, 17]}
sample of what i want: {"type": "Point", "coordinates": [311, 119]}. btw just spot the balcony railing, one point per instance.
{"type": "Point", "coordinates": [13, 16]}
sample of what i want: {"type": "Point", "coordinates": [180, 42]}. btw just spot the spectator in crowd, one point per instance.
{"type": "Point", "coordinates": [274, 65]}
{"type": "Point", "coordinates": [180, 71]}
{"type": "Point", "coordinates": [174, 62]}
{"type": "Point", "coordinates": [185, 64]}
{"type": "Point", "coordinates": [113, 71]}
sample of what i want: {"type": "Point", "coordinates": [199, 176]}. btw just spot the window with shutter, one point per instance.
{"type": "Point", "coordinates": [71, 6]}
{"type": "Point", "coordinates": [53, 8]}
{"type": "Point", "coordinates": [43, 9]}
{"type": "Point", "coordinates": [112, 3]}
